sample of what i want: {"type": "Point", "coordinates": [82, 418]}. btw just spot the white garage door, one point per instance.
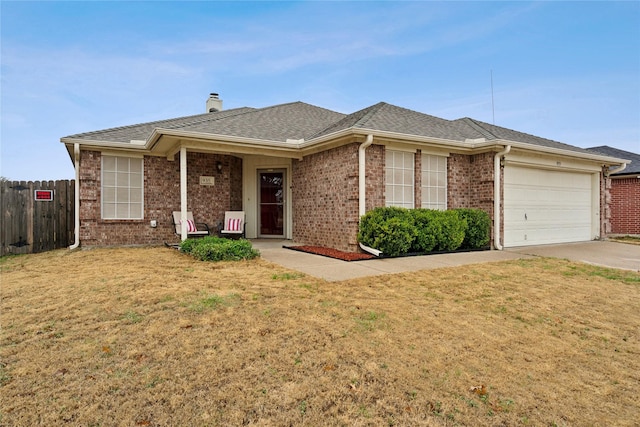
{"type": "Point", "coordinates": [546, 206]}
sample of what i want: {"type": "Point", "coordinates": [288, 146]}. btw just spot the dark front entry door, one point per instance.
{"type": "Point", "coordinates": [271, 203]}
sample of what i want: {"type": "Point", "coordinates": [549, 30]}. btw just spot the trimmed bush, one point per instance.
{"type": "Point", "coordinates": [187, 245]}
{"type": "Point", "coordinates": [390, 230]}
{"type": "Point", "coordinates": [452, 232]}
{"type": "Point", "coordinates": [428, 228]}
{"type": "Point", "coordinates": [397, 231]}
{"type": "Point", "coordinates": [395, 237]}
{"type": "Point", "coordinates": [478, 228]}
{"type": "Point", "coordinates": [213, 248]}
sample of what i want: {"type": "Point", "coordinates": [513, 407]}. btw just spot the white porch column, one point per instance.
{"type": "Point", "coordinates": [183, 193]}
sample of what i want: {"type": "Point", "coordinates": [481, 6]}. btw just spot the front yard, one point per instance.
{"type": "Point", "coordinates": [152, 337]}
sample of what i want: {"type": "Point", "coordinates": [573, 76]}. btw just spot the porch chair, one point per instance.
{"type": "Point", "coordinates": [233, 226]}
{"type": "Point", "coordinates": [194, 229]}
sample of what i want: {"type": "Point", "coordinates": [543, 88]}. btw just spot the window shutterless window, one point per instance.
{"type": "Point", "coordinates": [434, 182]}
{"type": "Point", "coordinates": [399, 179]}
{"type": "Point", "coordinates": [122, 187]}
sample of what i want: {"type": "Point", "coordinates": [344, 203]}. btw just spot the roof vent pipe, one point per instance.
{"type": "Point", "coordinates": [214, 103]}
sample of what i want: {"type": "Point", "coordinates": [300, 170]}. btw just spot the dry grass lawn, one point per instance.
{"type": "Point", "coordinates": [150, 337]}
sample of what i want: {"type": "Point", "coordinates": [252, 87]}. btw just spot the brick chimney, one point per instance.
{"type": "Point", "coordinates": [214, 103]}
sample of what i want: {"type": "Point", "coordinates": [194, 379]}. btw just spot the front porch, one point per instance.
{"type": "Point", "coordinates": [212, 183]}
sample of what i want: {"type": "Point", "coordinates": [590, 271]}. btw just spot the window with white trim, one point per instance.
{"type": "Point", "coordinates": [122, 187]}
{"type": "Point", "coordinates": [434, 182]}
{"type": "Point", "coordinates": [399, 179]}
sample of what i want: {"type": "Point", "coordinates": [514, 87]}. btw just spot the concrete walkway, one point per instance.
{"type": "Point", "coordinates": [609, 254]}
{"type": "Point", "coordinates": [335, 270]}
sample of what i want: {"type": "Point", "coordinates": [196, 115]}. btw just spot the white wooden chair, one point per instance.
{"type": "Point", "coordinates": [194, 229]}
{"type": "Point", "coordinates": [234, 224]}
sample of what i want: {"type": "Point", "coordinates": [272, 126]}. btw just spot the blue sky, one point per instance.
{"type": "Point", "coordinates": [568, 71]}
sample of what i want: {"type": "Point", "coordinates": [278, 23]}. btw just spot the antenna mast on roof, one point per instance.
{"type": "Point", "coordinates": [493, 109]}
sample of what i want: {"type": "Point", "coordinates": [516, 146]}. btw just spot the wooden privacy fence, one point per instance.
{"type": "Point", "coordinates": [37, 216]}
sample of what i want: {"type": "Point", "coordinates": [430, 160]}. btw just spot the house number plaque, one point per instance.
{"type": "Point", "coordinates": [207, 180]}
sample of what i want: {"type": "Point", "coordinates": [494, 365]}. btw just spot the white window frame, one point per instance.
{"type": "Point", "coordinates": [434, 182]}
{"type": "Point", "coordinates": [121, 187]}
{"type": "Point", "coordinates": [399, 178]}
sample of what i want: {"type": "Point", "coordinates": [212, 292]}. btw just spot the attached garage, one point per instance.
{"type": "Point", "coordinates": [543, 206]}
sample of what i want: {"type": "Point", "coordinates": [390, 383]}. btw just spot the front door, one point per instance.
{"type": "Point", "coordinates": [271, 203]}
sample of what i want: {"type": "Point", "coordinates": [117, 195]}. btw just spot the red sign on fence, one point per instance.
{"type": "Point", "coordinates": [44, 195]}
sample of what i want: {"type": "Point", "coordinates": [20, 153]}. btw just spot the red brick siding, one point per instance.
{"type": "Point", "coordinates": [235, 181]}
{"type": "Point", "coordinates": [375, 177]}
{"type": "Point", "coordinates": [470, 182]}
{"type": "Point", "coordinates": [161, 198]}
{"type": "Point", "coordinates": [325, 191]}
{"type": "Point", "coordinates": [605, 205]}
{"type": "Point", "coordinates": [625, 205]}
{"type": "Point", "coordinates": [417, 178]}
{"type": "Point", "coordinates": [325, 198]}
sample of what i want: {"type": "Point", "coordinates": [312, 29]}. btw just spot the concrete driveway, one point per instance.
{"type": "Point", "coordinates": [603, 253]}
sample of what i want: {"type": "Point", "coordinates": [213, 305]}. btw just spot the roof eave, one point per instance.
{"type": "Point", "coordinates": [298, 150]}
{"type": "Point", "coordinates": [313, 145]}
{"type": "Point", "coordinates": [235, 144]}
{"type": "Point", "coordinates": [602, 159]}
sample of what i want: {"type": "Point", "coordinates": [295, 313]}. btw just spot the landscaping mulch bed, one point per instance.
{"type": "Point", "coordinates": [353, 256]}
{"type": "Point", "coordinates": [332, 253]}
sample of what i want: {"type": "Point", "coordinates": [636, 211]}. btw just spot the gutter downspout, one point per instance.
{"type": "Point", "coordinates": [362, 181]}
{"type": "Point", "coordinates": [620, 168]}
{"type": "Point", "coordinates": [183, 194]}
{"type": "Point", "coordinates": [362, 188]}
{"type": "Point", "coordinates": [76, 218]}
{"type": "Point", "coordinates": [496, 197]}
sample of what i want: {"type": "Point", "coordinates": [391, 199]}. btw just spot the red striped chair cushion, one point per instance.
{"type": "Point", "coordinates": [234, 224]}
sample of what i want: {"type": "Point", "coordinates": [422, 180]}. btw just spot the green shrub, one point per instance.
{"type": "Point", "coordinates": [397, 231]}
{"type": "Point", "coordinates": [371, 223]}
{"type": "Point", "coordinates": [187, 245]}
{"type": "Point", "coordinates": [213, 248]}
{"type": "Point", "coordinates": [390, 230]}
{"type": "Point", "coordinates": [452, 231]}
{"type": "Point", "coordinates": [478, 231]}
{"type": "Point", "coordinates": [428, 227]}
{"type": "Point", "coordinates": [396, 236]}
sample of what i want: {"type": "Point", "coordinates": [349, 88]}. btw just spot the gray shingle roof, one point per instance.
{"type": "Point", "coordinates": [389, 118]}
{"type": "Point", "coordinates": [296, 120]}
{"type": "Point", "coordinates": [143, 130]}
{"type": "Point", "coordinates": [631, 169]}
{"type": "Point", "coordinates": [299, 120]}
{"type": "Point", "coordinates": [490, 132]}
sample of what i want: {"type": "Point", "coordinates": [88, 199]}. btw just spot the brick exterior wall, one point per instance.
{"type": "Point", "coordinates": [325, 198]}
{"type": "Point", "coordinates": [325, 191]}
{"type": "Point", "coordinates": [161, 198]}
{"type": "Point", "coordinates": [325, 195]}
{"type": "Point", "coordinates": [625, 205]}
{"type": "Point", "coordinates": [470, 183]}
{"type": "Point", "coordinates": [605, 205]}
{"type": "Point", "coordinates": [375, 176]}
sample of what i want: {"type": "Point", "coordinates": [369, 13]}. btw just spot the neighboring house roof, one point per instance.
{"type": "Point", "coordinates": [631, 169]}
{"type": "Point", "coordinates": [296, 125]}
